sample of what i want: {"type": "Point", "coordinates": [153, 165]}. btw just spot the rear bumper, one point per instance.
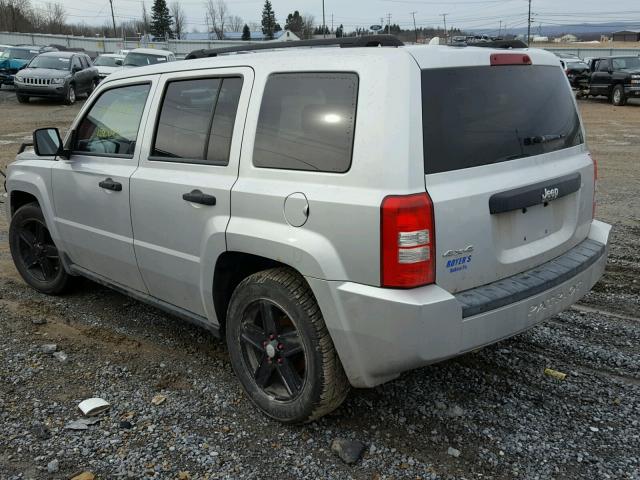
{"type": "Point", "coordinates": [380, 333]}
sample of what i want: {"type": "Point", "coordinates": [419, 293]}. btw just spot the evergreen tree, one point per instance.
{"type": "Point", "coordinates": [294, 23]}
{"type": "Point", "coordinates": [268, 20]}
{"type": "Point", "coordinates": [161, 20]}
{"type": "Point", "coordinates": [246, 33]}
{"type": "Point", "coordinates": [340, 31]}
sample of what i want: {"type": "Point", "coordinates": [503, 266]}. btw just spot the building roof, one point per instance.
{"type": "Point", "coordinates": [621, 32]}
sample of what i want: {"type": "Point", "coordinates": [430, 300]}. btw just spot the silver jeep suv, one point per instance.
{"type": "Point", "coordinates": [340, 215]}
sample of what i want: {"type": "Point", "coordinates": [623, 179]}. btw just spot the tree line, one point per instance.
{"type": "Point", "coordinates": [170, 20]}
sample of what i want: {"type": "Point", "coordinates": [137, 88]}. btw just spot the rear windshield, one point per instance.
{"type": "Point", "coordinates": [142, 59]}
{"type": "Point", "coordinates": [102, 61]}
{"type": "Point", "coordinates": [476, 116]}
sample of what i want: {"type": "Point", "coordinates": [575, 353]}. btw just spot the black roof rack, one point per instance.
{"type": "Point", "coordinates": [344, 42]}
{"type": "Point", "coordinates": [506, 44]}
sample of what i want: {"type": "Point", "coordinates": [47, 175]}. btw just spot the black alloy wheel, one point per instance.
{"type": "Point", "coordinates": [34, 253]}
{"type": "Point", "coordinates": [272, 350]}
{"type": "Point", "coordinates": [280, 347]}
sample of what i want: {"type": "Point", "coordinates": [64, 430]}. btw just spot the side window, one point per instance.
{"type": "Point", "coordinates": [83, 61]}
{"type": "Point", "coordinates": [196, 121]}
{"type": "Point", "coordinates": [603, 66]}
{"type": "Point", "coordinates": [111, 126]}
{"type": "Point", "coordinates": [76, 63]}
{"type": "Point", "coordinates": [307, 122]}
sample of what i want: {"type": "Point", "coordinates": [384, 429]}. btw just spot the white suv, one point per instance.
{"type": "Point", "coordinates": [341, 215]}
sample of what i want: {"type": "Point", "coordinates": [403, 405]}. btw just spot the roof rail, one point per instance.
{"type": "Point", "coordinates": [344, 42]}
{"type": "Point", "coordinates": [506, 44]}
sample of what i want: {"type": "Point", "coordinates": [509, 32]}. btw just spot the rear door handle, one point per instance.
{"type": "Point", "coordinates": [196, 196]}
{"type": "Point", "coordinates": [109, 184]}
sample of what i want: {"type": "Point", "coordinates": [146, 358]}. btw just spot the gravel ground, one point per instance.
{"type": "Point", "coordinates": [488, 414]}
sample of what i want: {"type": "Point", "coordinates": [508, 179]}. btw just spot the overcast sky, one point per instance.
{"type": "Point", "coordinates": [472, 14]}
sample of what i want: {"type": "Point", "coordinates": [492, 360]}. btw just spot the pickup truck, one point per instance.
{"type": "Point", "coordinates": [617, 78]}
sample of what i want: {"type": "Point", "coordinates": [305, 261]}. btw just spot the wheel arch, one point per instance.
{"type": "Point", "coordinates": [231, 268]}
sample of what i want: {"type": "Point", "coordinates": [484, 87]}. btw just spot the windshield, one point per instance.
{"type": "Point", "coordinates": [477, 116]}
{"type": "Point", "coordinates": [54, 63]}
{"type": "Point", "coordinates": [142, 59]}
{"type": "Point", "coordinates": [102, 61]}
{"type": "Point", "coordinates": [577, 65]}
{"type": "Point", "coordinates": [18, 53]}
{"type": "Point", "coordinates": [624, 63]}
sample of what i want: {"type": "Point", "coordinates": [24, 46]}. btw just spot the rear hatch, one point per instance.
{"type": "Point", "coordinates": [505, 163]}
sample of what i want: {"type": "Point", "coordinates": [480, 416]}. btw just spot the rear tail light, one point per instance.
{"type": "Point", "coordinates": [407, 241]}
{"type": "Point", "coordinates": [595, 185]}
{"type": "Point", "coordinates": [510, 59]}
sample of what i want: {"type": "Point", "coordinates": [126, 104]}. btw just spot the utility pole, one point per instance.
{"type": "Point", "coordinates": [113, 18]}
{"type": "Point", "coordinates": [415, 29]}
{"type": "Point", "coordinates": [529, 25]}
{"type": "Point", "coordinates": [444, 16]}
{"type": "Point", "coordinates": [324, 24]}
{"type": "Point", "coordinates": [500, 31]}
{"type": "Point", "coordinates": [332, 23]}
{"type": "Point", "coordinates": [388, 24]}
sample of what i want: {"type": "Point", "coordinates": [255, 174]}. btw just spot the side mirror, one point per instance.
{"type": "Point", "coordinates": [47, 142]}
{"type": "Point", "coordinates": [118, 62]}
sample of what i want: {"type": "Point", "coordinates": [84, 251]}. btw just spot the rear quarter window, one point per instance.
{"type": "Point", "coordinates": [477, 116]}
{"type": "Point", "coordinates": [307, 122]}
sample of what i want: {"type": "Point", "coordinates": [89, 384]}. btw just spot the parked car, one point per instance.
{"type": "Point", "coordinates": [107, 63]}
{"type": "Point", "coordinates": [617, 78]}
{"type": "Point", "coordinates": [141, 57]}
{"type": "Point", "coordinates": [13, 59]}
{"type": "Point", "coordinates": [333, 238]}
{"type": "Point", "coordinates": [62, 75]}
{"type": "Point", "coordinates": [576, 70]}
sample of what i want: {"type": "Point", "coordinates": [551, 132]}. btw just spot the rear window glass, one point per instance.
{"type": "Point", "coordinates": [477, 116]}
{"type": "Point", "coordinates": [307, 122]}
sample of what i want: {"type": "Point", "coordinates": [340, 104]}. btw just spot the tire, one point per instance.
{"type": "Point", "coordinates": [34, 253]}
{"type": "Point", "coordinates": [296, 347]}
{"type": "Point", "coordinates": [22, 98]}
{"type": "Point", "coordinates": [70, 96]}
{"type": "Point", "coordinates": [617, 96]}
{"type": "Point", "coordinates": [94, 84]}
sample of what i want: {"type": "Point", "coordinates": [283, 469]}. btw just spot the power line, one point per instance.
{"type": "Point", "coordinates": [529, 26]}
{"type": "Point", "coordinates": [415, 28]}
{"type": "Point", "coordinates": [444, 16]}
{"type": "Point", "coordinates": [113, 18]}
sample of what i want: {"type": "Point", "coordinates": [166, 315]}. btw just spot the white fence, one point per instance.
{"type": "Point", "coordinates": [110, 45]}
{"type": "Point", "coordinates": [596, 52]}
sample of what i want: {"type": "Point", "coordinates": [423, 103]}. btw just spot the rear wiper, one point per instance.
{"type": "Point", "coordinates": [541, 139]}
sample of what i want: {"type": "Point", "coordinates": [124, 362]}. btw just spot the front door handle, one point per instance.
{"type": "Point", "coordinates": [196, 196]}
{"type": "Point", "coordinates": [109, 184]}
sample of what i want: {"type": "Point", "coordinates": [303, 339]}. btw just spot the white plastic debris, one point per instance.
{"type": "Point", "coordinates": [93, 406]}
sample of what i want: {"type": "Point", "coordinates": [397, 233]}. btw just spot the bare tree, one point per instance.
{"type": "Point", "coordinates": [307, 26]}
{"type": "Point", "coordinates": [235, 23]}
{"type": "Point", "coordinates": [146, 20]}
{"type": "Point", "coordinates": [179, 18]}
{"type": "Point", "coordinates": [217, 16]}
{"type": "Point", "coordinates": [54, 17]}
